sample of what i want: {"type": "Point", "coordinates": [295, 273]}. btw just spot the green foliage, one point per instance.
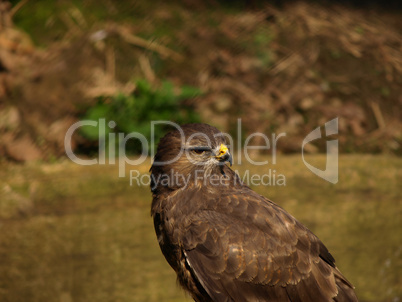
{"type": "Point", "coordinates": [134, 112]}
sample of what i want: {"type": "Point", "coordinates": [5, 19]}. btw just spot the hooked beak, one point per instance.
{"type": "Point", "coordinates": [224, 155]}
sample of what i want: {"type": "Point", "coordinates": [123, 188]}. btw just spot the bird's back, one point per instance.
{"type": "Point", "coordinates": [232, 244]}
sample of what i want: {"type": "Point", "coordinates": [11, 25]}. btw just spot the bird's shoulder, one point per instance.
{"type": "Point", "coordinates": [240, 235]}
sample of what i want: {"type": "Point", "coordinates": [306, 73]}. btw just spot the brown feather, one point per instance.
{"type": "Point", "coordinates": [228, 243]}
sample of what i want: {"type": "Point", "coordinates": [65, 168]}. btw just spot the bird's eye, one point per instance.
{"type": "Point", "coordinates": [198, 151]}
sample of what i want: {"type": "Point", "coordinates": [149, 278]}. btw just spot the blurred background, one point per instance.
{"type": "Point", "coordinates": [79, 233]}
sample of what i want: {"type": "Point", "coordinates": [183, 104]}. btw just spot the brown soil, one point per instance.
{"type": "Point", "coordinates": [279, 70]}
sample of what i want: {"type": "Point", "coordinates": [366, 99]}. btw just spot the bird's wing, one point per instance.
{"type": "Point", "coordinates": [243, 247]}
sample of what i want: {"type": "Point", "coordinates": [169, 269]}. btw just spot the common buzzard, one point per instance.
{"type": "Point", "coordinates": [225, 241]}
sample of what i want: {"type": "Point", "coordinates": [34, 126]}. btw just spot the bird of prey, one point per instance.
{"type": "Point", "coordinates": [225, 241]}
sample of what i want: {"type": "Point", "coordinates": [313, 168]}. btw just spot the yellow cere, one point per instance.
{"type": "Point", "coordinates": [222, 150]}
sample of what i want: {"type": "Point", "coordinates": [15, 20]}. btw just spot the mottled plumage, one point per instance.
{"type": "Point", "coordinates": [225, 241]}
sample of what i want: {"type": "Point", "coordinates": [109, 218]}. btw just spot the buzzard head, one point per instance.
{"type": "Point", "coordinates": [189, 155]}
